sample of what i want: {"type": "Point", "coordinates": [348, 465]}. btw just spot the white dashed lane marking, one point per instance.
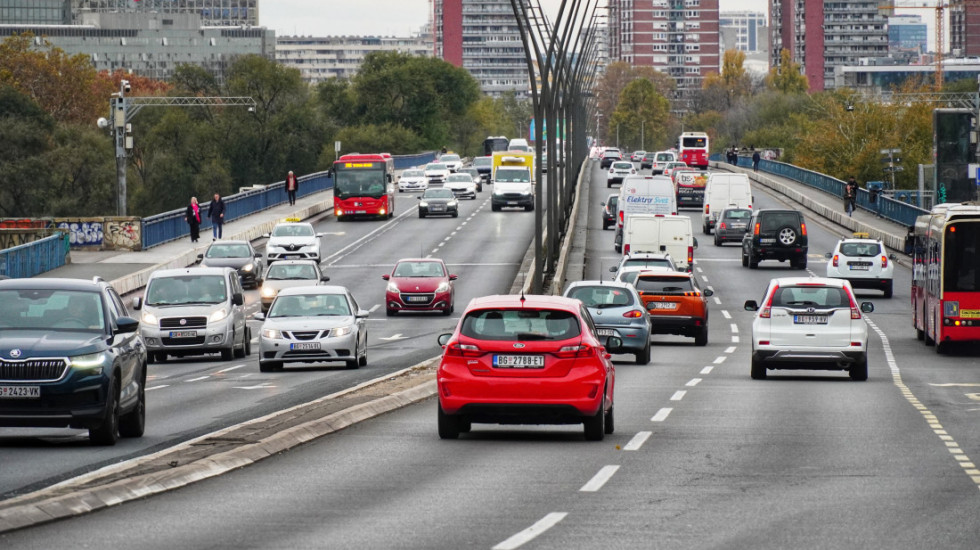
{"type": "Point", "coordinates": [734, 338]}
{"type": "Point", "coordinates": [678, 395]}
{"type": "Point", "coordinates": [600, 479]}
{"type": "Point", "coordinates": [734, 327]}
{"type": "Point", "coordinates": [638, 440]}
{"type": "Point", "coordinates": [725, 314]}
{"type": "Point", "coordinates": [197, 379]}
{"type": "Point", "coordinates": [661, 415]}
{"type": "Point", "coordinates": [717, 300]}
{"type": "Point", "coordinates": [693, 382]}
{"type": "Point", "coordinates": [158, 387]}
{"type": "Point", "coordinates": [730, 349]}
{"type": "Point", "coordinates": [707, 370]}
{"type": "Point", "coordinates": [531, 532]}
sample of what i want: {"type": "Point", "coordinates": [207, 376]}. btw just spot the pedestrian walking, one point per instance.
{"type": "Point", "coordinates": [216, 211]}
{"type": "Point", "coordinates": [850, 195]}
{"type": "Point", "coordinates": [755, 161]}
{"type": "Point", "coordinates": [292, 185]}
{"type": "Point", "coordinates": [193, 219]}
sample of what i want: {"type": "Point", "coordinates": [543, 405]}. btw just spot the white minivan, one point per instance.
{"type": "Point", "coordinates": [658, 234]}
{"type": "Point", "coordinates": [724, 191]}
{"type": "Point", "coordinates": [519, 144]}
{"type": "Point", "coordinates": [644, 195]}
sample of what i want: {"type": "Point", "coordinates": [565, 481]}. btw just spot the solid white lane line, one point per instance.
{"type": "Point", "coordinates": [720, 360]}
{"type": "Point", "coordinates": [198, 378]}
{"type": "Point", "coordinates": [734, 338]}
{"type": "Point", "coordinates": [693, 382]}
{"type": "Point", "coordinates": [158, 387]}
{"type": "Point", "coordinates": [235, 367]}
{"type": "Point", "coordinates": [678, 395]}
{"type": "Point", "coordinates": [638, 440]}
{"type": "Point", "coordinates": [734, 327]}
{"type": "Point", "coordinates": [717, 300]}
{"type": "Point", "coordinates": [600, 479]}
{"type": "Point", "coordinates": [661, 415]}
{"type": "Point", "coordinates": [725, 314]}
{"type": "Point", "coordinates": [730, 349]}
{"type": "Point", "coordinates": [707, 370]}
{"type": "Point", "coordinates": [531, 532]}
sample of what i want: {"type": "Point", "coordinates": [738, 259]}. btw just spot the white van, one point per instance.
{"type": "Point", "coordinates": [724, 191]}
{"type": "Point", "coordinates": [649, 233]}
{"type": "Point", "coordinates": [644, 195]}
{"type": "Point", "coordinates": [519, 144]}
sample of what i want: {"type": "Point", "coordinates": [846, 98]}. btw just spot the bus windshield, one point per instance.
{"type": "Point", "coordinates": [360, 183]}
{"type": "Point", "coordinates": [961, 263]}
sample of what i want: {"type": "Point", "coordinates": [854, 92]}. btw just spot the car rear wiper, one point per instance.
{"type": "Point", "coordinates": [602, 306]}
{"type": "Point", "coordinates": [803, 303]}
{"type": "Point", "coordinates": [530, 336]}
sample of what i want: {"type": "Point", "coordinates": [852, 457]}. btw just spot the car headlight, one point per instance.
{"type": "Point", "coordinates": [218, 315]}
{"type": "Point", "coordinates": [443, 286]}
{"type": "Point", "coordinates": [271, 333]}
{"type": "Point", "coordinates": [392, 287]}
{"type": "Point", "coordinates": [309, 247]}
{"type": "Point", "coordinates": [453, 202]}
{"type": "Point", "coordinates": [91, 362]}
{"type": "Point", "coordinates": [342, 331]}
{"type": "Point", "coordinates": [149, 318]}
{"type": "Point", "coordinates": [423, 204]}
{"type": "Point", "coordinates": [248, 267]}
{"type": "Point", "coordinates": [268, 292]}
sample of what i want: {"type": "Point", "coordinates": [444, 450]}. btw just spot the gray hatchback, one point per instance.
{"type": "Point", "coordinates": [617, 310]}
{"type": "Point", "coordinates": [732, 225]}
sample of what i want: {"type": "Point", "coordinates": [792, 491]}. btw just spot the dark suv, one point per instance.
{"type": "Point", "coordinates": [775, 235]}
{"type": "Point", "coordinates": [70, 356]}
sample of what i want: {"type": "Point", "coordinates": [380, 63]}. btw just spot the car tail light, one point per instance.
{"type": "Point", "coordinates": [766, 311]}
{"type": "Point", "coordinates": [621, 217]}
{"type": "Point", "coordinates": [707, 208]}
{"type": "Point", "coordinates": [626, 249]}
{"type": "Point", "coordinates": [803, 229]}
{"type": "Point", "coordinates": [721, 225]}
{"type": "Point", "coordinates": [456, 349]}
{"type": "Point", "coordinates": [581, 350]}
{"type": "Point", "coordinates": [855, 310]}
{"type": "Point", "coordinates": [763, 342]}
{"type": "Point", "coordinates": [612, 170]}
{"type": "Point", "coordinates": [836, 259]}
{"type": "Point", "coordinates": [632, 170]}
{"type": "Point", "coordinates": [633, 314]}
{"type": "Point", "coordinates": [884, 261]}
{"type": "Point", "coordinates": [756, 230]}
{"type": "Point", "coordinates": [690, 257]}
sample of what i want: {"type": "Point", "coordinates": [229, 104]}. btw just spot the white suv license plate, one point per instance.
{"type": "Point", "coordinates": [860, 267]}
{"type": "Point", "coordinates": [305, 346]}
{"type": "Point", "coordinates": [811, 319]}
{"type": "Point", "coordinates": [20, 392]}
{"type": "Point", "coordinates": [518, 361]}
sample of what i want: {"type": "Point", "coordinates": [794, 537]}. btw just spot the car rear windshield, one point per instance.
{"type": "Point", "coordinates": [601, 296]}
{"type": "Point", "coordinates": [520, 324]}
{"type": "Point", "coordinates": [483, 161]}
{"type": "Point", "coordinates": [810, 296]}
{"type": "Point", "coordinates": [436, 166]}
{"type": "Point", "coordinates": [658, 262]}
{"type": "Point", "coordinates": [664, 157]}
{"type": "Point", "coordinates": [775, 220]}
{"type": "Point", "coordinates": [738, 214]}
{"type": "Point", "coordinates": [623, 165]}
{"type": "Point", "coordinates": [663, 285]}
{"type": "Point", "coordinates": [860, 249]}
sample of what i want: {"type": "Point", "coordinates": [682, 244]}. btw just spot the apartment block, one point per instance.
{"type": "Point", "coordinates": [750, 29]}
{"type": "Point", "coordinates": [325, 57]}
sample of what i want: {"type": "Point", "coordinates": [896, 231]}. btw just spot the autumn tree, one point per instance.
{"type": "Point", "coordinates": [722, 90]}
{"type": "Point", "coordinates": [787, 76]}
{"type": "Point", "coordinates": [640, 116]}
{"type": "Point", "coordinates": [618, 75]}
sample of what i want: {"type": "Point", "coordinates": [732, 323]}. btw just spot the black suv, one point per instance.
{"type": "Point", "coordinates": [775, 235]}
{"type": "Point", "coordinates": [70, 356]}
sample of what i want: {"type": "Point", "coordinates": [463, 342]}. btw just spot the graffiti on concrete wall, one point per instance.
{"type": "Point", "coordinates": [122, 234]}
{"type": "Point", "coordinates": [25, 223]}
{"type": "Point", "coordinates": [82, 232]}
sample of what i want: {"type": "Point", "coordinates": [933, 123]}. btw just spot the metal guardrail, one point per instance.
{"type": "Point", "coordinates": [28, 260]}
{"type": "Point", "coordinates": [890, 209]}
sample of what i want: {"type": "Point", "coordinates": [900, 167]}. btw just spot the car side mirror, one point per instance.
{"type": "Point", "coordinates": [362, 314]}
{"type": "Point", "coordinates": [751, 305]}
{"type": "Point", "coordinates": [199, 258]}
{"type": "Point", "coordinates": [892, 257]}
{"type": "Point", "coordinates": [320, 234]}
{"type": "Point", "coordinates": [453, 277]}
{"type": "Point", "coordinates": [828, 255]}
{"type": "Point", "coordinates": [444, 339]}
{"type": "Point", "coordinates": [867, 307]}
{"type": "Point", "coordinates": [266, 235]}
{"type": "Point", "coordinates": [695, 243]}
{"type": "Point", "coordinates": [386, 277]}
{"type": "Point", "coordinates": [126, 325]}
{"type": "Point", "coordinates": [602, 204]}
{"type": "Point", "coordinates": [138, 302]}
{"type": "Point", "coordinates": [259, 316]}
{"type": "Point", "coordinates": [708, 292]}
{"type": "Point", "coordinates": [614, 344]}
{"type": "Point", "coordinates": [238, 299]}
{"type": "Point", "coordinates": [419, 197]}
{"type": "Point", "coordinates": [612, 269]}
{"type": "Point", "coordinates": [325, 278]}
{"type": "Point", "coordinates": [258, 255]}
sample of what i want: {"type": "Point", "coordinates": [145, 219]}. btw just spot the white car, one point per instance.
{"type": "Point", "coordinates": [645, 260]}
{"type": "Point", "coordinates": [453, 162]}
{"type": "Point", "coordinates": [864, 263]}
{"type": "Point", "coordinates": [660, 161]}
{"type": "Point", "coordinates": [462, 185]}
{"type": "Point", "coordinates": [412, 180]}
{"type": "Point", "coordinates": [293, 241]}
{"type": "Point", "coordinates": [629, 274]}
{"type": "Point", "coordinates": [436, 172]}
{"type": "Point", "coordinates": [811, 323]}
{"type": "Point", "coordinates": [618, 171]}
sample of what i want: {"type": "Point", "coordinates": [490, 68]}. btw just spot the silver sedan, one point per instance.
{"type": "Point", "coordinates": [313, 324]}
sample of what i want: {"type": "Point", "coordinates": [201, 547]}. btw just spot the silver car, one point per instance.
{"type": "Point", "coordinates": [616, 310]}
{"type": "Point", "coordinates": [313, 324]}
{"type": "Point", "coordinates": [287, 274]}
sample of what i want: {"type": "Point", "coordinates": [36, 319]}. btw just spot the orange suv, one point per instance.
{"type": "Point", "coordinates": [676, 304]}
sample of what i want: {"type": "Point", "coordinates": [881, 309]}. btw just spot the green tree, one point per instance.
{"type": "Point", "coordinates": [787, 76]}
{"type": "Point", "coordinates": [722, 90]}
{"type": "Point", "coordinates": [641, 109]}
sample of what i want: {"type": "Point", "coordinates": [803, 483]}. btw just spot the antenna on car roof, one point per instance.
{"type": "Point", "coordinates": [523, 282]}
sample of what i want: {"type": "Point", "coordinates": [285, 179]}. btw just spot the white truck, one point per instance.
{"type": "Point", "coordinates": [724, 191]}
{"type": "Point", "coordinates": [513, 180]}
{"type": "Point", "coordinates": [644, 195]}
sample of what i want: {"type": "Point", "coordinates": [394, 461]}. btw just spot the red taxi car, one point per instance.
{"type": "Point", "coordinates": [419, 284]}
{"type": "Point", "coordinates": [526, 360]}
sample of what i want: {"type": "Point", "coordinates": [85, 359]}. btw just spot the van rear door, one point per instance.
{"type": "Point", "coordinates": [642, 234]}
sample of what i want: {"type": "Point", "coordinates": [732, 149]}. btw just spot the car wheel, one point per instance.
{"type": "Point", "coordinates": [745, 259]}
{"type": "Point", "coordinates": [248, 341]}
{"type": "Point", "coordinates": [758, 370]}
{"type": "Point", "coordinates": [269, 366]}
{"type": "Point", "coordinates": [701, 338]}
{"type": "Point", "coordinates": [705, 228]}
{"type": "Point", "coordinates": [107, 432]}
{"type": "Point", "coordinates": [595, 426]}
{"type": "Point", "coordinates": [610, 421]}
{"type": "Point", "coordinates": [787, 236]}
{"type": "Point", "coordinates": [456, 214]}
{"type": "Point", "coordinates": [529, 208]}
{"type": "Point", "coordinates": [133, 423]}
{"type": "Point", "coordinates": [888, 290]}
{"type": "Point", "coordinates": [362, 360]}
{"type": "Point", "coordinates": [239, 352]}
{"type": "Point", "coordinates": [605, 226]}
{"type": "Point", "coordinates": [920, 334]}
{"type": "Point", "coordinates": [390, 312]}
{"type": "Point", "coordinates": [941, 348]}
{"type": "Point", "coordinates": [643, 357]}
{"type": "Point", "coordinates": [228, 354]}
{"type": "Point", "coordinates": [799, 263]}
{"type": "Point", "coordinates": [494, 207]}
{"type": "Point", "coordinates": [717, 240]}
{"type": "Point", "coordinates": [753, 262]}
{"type": "Point", "coordinates": [421, 214]}
{"type": "Point", "coordinates": [859, 370]}
{"type": "Point", "coordinates": [465, 426]}
{"type": "Point", "coordinates": [449, 426]}
{"type": "Point", "coordinates": [608, 184]}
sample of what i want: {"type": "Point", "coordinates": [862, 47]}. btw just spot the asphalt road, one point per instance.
{"type": "Point", "coordinates": [702, 456]}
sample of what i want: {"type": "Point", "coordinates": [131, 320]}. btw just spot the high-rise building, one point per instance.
{"type": "Point", "coordinates": [677, 37]}
{"type": "Point", "coordinates": [482, 37]}
{"type": "Point", "coordinates": [964, 28]}
{"type": "Point", "coordinates": [907, 33]}
{"type": "Point", "coordinates": [823, 34]}
{"type": "Point", "coordinates": [214, 13]}
{"type": "Point", "coordinates": [35, 12]}
{"type": "Point", "coordinates": [320, 58]}
{"type": "Point", "coordinates": [749, 27]}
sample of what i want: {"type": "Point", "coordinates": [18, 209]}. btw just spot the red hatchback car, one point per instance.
{"type": "Point", "coordinates": [419, 284]}
{"type": "Point", "coordinates": [526, 360]}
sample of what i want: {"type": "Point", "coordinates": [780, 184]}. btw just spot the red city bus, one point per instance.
{"type": "Point", "coordinates": [693, 149]}
{"type": "Point", "coordinates": [362, 186]}
{"type": "Point", "coordinates": [946, 275]}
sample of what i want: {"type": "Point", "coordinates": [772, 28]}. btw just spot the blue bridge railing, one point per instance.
{"type": "Point", "coordinates": [34, 258]}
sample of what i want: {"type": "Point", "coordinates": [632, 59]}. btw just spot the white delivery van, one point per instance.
{"type": "Point", "coordinates": [519, 144]}
{"type": "Point", "coordinates": [724, 191]}
{"type": "Point", "coordinates": [652, 233]}
{"type": "Point", "coordinates": [644, 195]}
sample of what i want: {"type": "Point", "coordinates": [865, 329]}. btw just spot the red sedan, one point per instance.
{"type": "Point", "coordinates": [526, 360]}
{"type": "Point", "coordinates": [419, 284]}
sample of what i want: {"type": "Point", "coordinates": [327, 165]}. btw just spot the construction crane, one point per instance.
{"type": "Point", "coordinates": [940, 9]}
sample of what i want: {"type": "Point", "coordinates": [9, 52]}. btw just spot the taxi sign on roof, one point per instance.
{"type": "Point", "coordinates": [861, 235]}
{"type": "Point", "coordinates": [293, 219]}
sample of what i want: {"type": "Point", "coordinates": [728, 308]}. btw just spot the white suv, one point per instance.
{"type": "Point", "coordinates": [809, 323]}
{"type": "Point", "coordinates": [864, 263]}
{"type": "Point", "coordinates": [648, 260]}
{"type": "Point", "coordinates": [618, 171]}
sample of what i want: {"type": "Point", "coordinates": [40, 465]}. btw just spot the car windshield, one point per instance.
{"type": "Point", "coordinates": [775, 220]}
{"type": "Point", "coordinates": [440, 193]}
{"type": "Point", "coordinates": [483, 161]}
{"type": "Point", "coordinates": [292, 231]}
{"type": "Point", "coordinates": [412, 174]}
{"type": "Point", "coordinates": [436, 166]}
{"type": "Point", "coordinates": [280, 271]}
{"type": "Point", "coordinates": [51, 309]}
{"type": "Point", "coordinates": [310, 305]}
{"type": "Point", "coordinates": [228, 251]}
{"type": "Point", "coordinates": [419, 269]}
{"type": "Point", "coordinates": [810, 296]}
{"type": "Point", "coordinates": [465, 178]}
{"type": "Point", "coordinates": [520, 324]}
{"type": "Point", "coordinates": [506, 176]}
{"type": "Point", "coordinates": [659, 284]}
{"type": "Point", "coordinates": [622, 165]}
{"type": "Point", "coordinates": [648, 262]}
{"type": "Point", "coordinates": [449, 158]}
{"type": "Point", "coordinates": [738, 214]}
{"type": "Point", "coordinates": [186, 289]}
{"type": "Point", "coordinates": [602, 296]}
{"type": "Point", "coordinates": [860, 249]}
